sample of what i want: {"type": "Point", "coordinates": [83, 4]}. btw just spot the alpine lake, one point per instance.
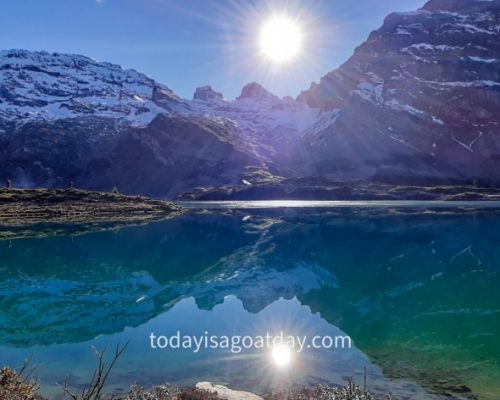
{"type": "Point", "coordinates": [415, 285]}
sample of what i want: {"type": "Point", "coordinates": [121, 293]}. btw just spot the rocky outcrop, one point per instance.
{"type": "Point", "coordinates": [206, 93]}
{"type": "Point", "coordinates": [255, 91]}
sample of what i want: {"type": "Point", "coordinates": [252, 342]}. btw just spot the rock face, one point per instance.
{"type": "Point", "coordinates": [171, 154]}
{"type": "Point", "coordinates": [68, 118]}
{"type": "Point", "coordinates": [206, 93]}
{"type": "Point", "coordinates": [417, 100]}
{"type": "Point", "coordinates": [255, 91]}
{"type": "Point", "coordinates": [270, 128]}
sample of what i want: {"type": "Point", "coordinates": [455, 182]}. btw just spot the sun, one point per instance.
{"type": "Point", "coordinates": [280, 39]}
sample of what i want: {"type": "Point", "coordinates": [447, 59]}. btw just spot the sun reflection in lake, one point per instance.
{"type": "Point", "coordinates": [281, 355]}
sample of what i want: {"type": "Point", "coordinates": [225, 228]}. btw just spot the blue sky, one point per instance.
{"type": "Point", "coordinates": [188, 43]}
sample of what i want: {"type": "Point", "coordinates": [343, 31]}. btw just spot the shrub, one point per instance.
{"type": "Point", "coordinates": [15, 386]}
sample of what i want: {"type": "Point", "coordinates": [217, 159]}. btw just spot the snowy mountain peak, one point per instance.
{"type": "Point", "coordinates": [257, 113]}
{"type": "Point", "coordinates": [52, 86]}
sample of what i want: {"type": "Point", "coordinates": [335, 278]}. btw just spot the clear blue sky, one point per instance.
{"type": "Point", "coordinates": [188, 43]}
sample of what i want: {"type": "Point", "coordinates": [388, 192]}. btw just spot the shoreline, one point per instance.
{"type": "Point", "coordinates": [23, 207]}
{"type": "Point", "coordinates": [319, 189]}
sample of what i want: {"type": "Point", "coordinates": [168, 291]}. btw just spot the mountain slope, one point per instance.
{"type": "Point", "coordinates": [171, 154]}
{"type": "Point", "coordinates": [427, 85]}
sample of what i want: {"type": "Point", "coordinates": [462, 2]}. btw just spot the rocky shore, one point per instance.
{"type": "Point", "coordinates": [320, 188]}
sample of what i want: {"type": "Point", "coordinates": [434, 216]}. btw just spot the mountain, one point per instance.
{"type": "Point", "coordinates": [415, 104]}
{"type": "Point", "coordinates": [69, 118]}
{"type": "Point", "coordinates": [427, 88]}
{"type": "Point", "coordinates": [38, 86]}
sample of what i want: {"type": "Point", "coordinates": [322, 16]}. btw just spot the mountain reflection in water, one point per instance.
{"type": "Point", "coordinates": [416, 291]}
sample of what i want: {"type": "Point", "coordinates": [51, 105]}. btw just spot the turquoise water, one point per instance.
{"type": "Point", "coordinates": [414, 285]}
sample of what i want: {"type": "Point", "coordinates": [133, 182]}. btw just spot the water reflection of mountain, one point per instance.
{"type": "Point", "coordinates": [422, 285]}
{"type": "Point", "coordinates": [71, 289]}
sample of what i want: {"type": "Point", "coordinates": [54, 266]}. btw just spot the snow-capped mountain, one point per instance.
{"type": "Point", "coordinates": [427, 85]}
{"type": "Point", "coordinates": [417, 102]}
{"type": "Point", "coordinates": [38, 86]}
{"type": "Point", "coordinates": [69, 118]}
{"type": "Point", "coordinates": [256, 110]}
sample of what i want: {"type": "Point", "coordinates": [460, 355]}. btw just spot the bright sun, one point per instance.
{"type": "Point", "coordinates": [280, 39]}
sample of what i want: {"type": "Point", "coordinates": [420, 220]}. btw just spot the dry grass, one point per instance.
{"type": "Point", "coordinates": [319, 392]}
{"type": "Point", "coordinates": [14, 387]}
{"type": "Point", "coordinates": [323, 392]}
{"type": "Point", "coordinates": [167, 393]}
{"type": "Point", "coordinates": [21, 386]}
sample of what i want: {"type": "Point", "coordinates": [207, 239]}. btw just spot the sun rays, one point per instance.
{"type": "Point", "coordinates": [281, 45]}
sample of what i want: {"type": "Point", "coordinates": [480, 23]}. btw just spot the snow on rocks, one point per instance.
{"type": "Point", "coordinates": [255, 111]}
{"type": "Point", "coordinates": [42, 86]}
{"type": "Point", "coordinates": [51, 86]}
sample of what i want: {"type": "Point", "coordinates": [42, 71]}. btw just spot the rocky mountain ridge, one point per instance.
{"type": "Point", "coordinates": [427, 85]}
{"type": "Point", "coordinates": [42, 86]}
{"type": "Point", "coordinates": [69, 118]}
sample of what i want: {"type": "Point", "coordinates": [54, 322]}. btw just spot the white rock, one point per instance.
{"type": "Point", "coordinates": [226, 393]}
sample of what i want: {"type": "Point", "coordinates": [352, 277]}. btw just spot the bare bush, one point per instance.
{"type": "Point", "coordinates": [94, 390]}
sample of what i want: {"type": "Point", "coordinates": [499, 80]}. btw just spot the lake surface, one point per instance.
{"type": "Point", "coordinates": [415, 285]}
